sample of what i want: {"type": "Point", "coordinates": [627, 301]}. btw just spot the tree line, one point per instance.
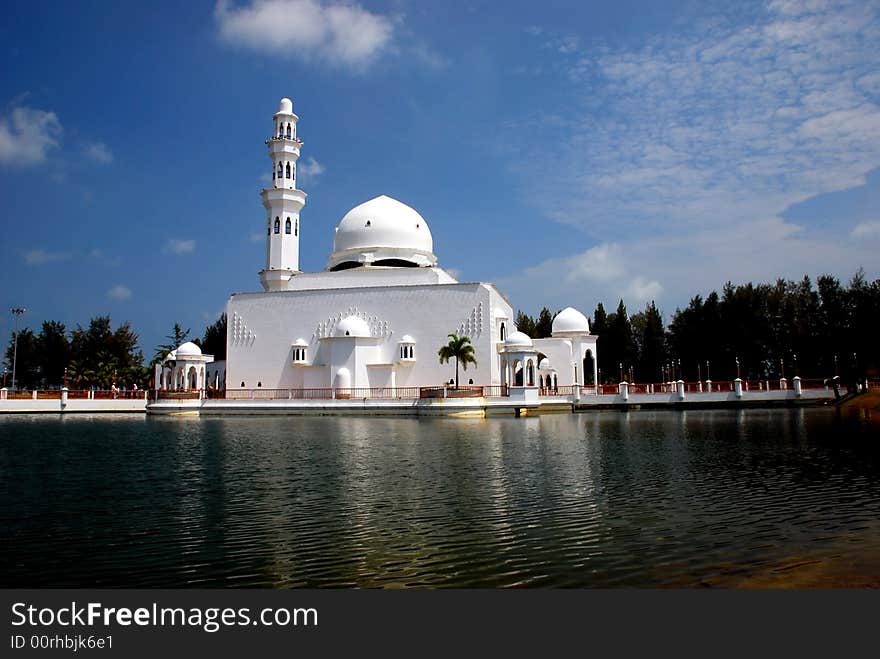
{"type": "Point", "coordinates": [759, 331]}
{"type": "Point", "coordinates": [95, 356]}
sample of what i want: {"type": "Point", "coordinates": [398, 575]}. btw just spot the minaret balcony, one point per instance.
{"type": "Point", "coordinates": [291, 198]}
{"type": "Point", "coordinates": [285, 139]}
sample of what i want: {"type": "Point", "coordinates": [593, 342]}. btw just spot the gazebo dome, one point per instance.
{"type": "Point", "coordinates": [570, 321]}
{"type": "Point", "coordinates": [188, 349]}
{"type": "Point", "coordinates": [407, 339]}
{"type": "Point", "coordinates": [382, 232]}
{"type": "Point", "coordinates": [285, 106]}
{"type": "Point", "coordinates": [352, 326]}
{"type": "Point", "coordinates": [300, 343]}
{"type": "Point", "coordinates": [544, 365]}
{"type": "Point", "coordinates": [517, 340]}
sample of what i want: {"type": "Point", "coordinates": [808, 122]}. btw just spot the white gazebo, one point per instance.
{"type": "Point", "coordinates": [183, 368]}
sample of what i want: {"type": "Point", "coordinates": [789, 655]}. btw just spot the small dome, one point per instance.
{"type": "Point", "coordinates": [407, 339]}
{"type": "Point", "coordinates": [517, 340]}
{"type": "Point", "coordinates": [188, 349]}
{"type": "Point", "coordinates": [570, 321]}
{"type": "Point", "coordinates": [285, 106]}
{"type": "Point", "coordinates": [352, 326]}
{"type": "Point", "coordinates": [382, 232]}
{"type": "Point", "coordinates": [544, 364]}
{"type": "Point", "coordinates": [300, 343]}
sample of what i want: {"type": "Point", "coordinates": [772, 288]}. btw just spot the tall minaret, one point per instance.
{"type": "Point", "coordinates": [282, 202]}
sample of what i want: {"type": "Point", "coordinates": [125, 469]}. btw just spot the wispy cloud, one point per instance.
{"type": "Point", "coordinates": [41, 256]}
{"type": "Point", "coordinates": [309, 171]}
{"type": "Point", "coordinates": [684, 151]}
{"type": "Point", "coordinates": [99, 152]}
{"type": "Point", "coordinates": [119, 292]}
{"type": "Point", "coordinates": [342, 34]}
{"type": "Point", "coordinates": [28, 135]}
{"type": "Point", "coordinates": [866, 230]}
{"type": "Point", "coordinates": [179, 246]}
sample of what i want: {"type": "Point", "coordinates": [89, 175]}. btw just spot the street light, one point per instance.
{"type": "Point", "coordinates": [16, 311]}
{"type": "Point", "coordinates": [737, 367]}
{"type": "Point", "coordinates": [707, 370]}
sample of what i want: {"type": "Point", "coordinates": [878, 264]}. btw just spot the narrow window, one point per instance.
{"type": "Point", "coordinates": [277, 225]}
{"type": "Point", "coordinates": [242, 384]}
{"type": "Point", "coordinates": [280, 131]}
{"type": "Point", "coordinates": [280, 170]}
{"type": "Point", "coordinates": [288, 131]}
{"type": "Point", "coordinates": [296, 227]}
{"type": "Point", "coordinates": [288, 170]}
{"type": "Point", "coordinates": [502, 331]}
{"type": "Point", "coordinates": [287, 226]}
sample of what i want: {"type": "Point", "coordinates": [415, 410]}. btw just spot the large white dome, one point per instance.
{"type": "Point", "coordinates": [570, 321]}
{"type": "Point", "coordinates": [382, 232]}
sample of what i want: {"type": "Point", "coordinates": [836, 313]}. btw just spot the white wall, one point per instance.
{"type": "Point", "coordinates": [259, 343]}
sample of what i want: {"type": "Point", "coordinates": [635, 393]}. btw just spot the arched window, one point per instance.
{"type": "Point", "coordinates": [288, 131]}
{"type": "Point", "coordinates": [502, 332]}
{"type": "Point", "coordinates": [280, 170]}
{"type": "Point", "coordinates": [296, 227]}
{"type": "Point", "coordinates": [287, 170]}
{"type": "Point", "coordinates": [269, 230]}
{"type": "Point", "coordinates": [277, 225]}
{"type": "Point", "coordinates": [242, 384]}
{"type": "Point", "coordinates": [287, 226]}
{"type": "Point", "coordinates": [280, 131]}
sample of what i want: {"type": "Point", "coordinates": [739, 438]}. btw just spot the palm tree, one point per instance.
{"type": "Point", "coordinates": [460, 349]}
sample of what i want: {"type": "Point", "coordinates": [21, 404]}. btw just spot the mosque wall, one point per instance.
{"type": "Point", "coordinates": [264, 326]}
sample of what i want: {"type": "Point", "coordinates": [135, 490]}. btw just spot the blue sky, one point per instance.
{"type": "Point", "coordinates": [570, 152]}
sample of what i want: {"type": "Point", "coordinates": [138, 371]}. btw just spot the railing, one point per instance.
{"type": "Point", "coordinates": [76, 394]}
{"type": "Point", "coordinates": [565, 390]}
{"type": "Point", "coordinates": [449, 391]}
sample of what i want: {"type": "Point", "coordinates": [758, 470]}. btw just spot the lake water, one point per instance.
{"type": "Point", "coordinates": [644, 498]}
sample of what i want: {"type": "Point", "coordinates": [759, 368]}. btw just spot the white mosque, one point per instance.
{"type": "Point", "coordinates": [378, 313]}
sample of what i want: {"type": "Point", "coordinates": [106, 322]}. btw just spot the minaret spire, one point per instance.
{"type": "Point", "coordinates": [282, 201]}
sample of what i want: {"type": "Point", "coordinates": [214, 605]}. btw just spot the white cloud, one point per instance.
{"type": "Point", "coordinates": [681, 154]}
{"type": "Point", "coordinates": [41, 256]}
{"type": "Point", "coordinates": [343, 34]}
{"type": "Point", "coordinates": [28, 135]}
{"type": "Point", "coordinates": [866, 230]}
{"type": "Point", "coordinates": [179, 246]}
{"type": "Point", "coordinates": [99, 152]}
{"type": "Point", "coordinates": [119, 292]}
{"type": "Point", "coordinates": [309, 170]}
{"type": "Point", "coordinates": [729, 121]}
{"type": "Point", "coordinates": [671, 269]}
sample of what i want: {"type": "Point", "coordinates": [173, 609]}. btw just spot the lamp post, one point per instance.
{"type": "Point", "coordinates": [781, 369]}
{"type": "Point", "coordinates": [707, 370]}
{"type": "Point", "coordinates": [679, 369]}
{"type": "Point", "coordinates": [737, 367]}
{"type": "Point", "coordinates": [620, 367]}
{"type": "Point", "coordinates": [699, 373]}
{"type": "Point", "coordinates": [16, 311]}
{"type": "Point", "coordinates": [836, 372]}
{"type": "Point", "coordinates": [794, 357]}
